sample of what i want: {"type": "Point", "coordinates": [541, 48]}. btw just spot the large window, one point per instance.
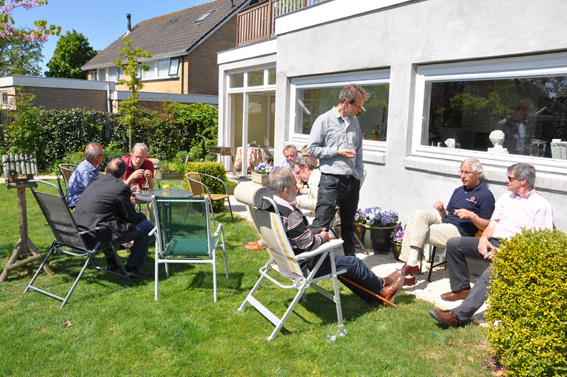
{"type": "Point", "coordinates": [161, 69]}
{"type": "Point", "coordinates": [316, 96]}
{"type": "Point", "coordinates": [528, 105]}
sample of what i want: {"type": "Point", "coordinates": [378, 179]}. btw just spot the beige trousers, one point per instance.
{"type": "Point", "coordinates": [425, 227]}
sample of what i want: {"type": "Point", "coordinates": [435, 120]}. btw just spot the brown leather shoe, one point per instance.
{"type": "Point", "coordinates": [445, 317]}
{"type": "Point", "coordinates": [392, 286]}
{"type": "Point", "coordinates": [454, 296]}
{"type": "Point", "coordinates": [409, 280]}
{"type": "Point", "coordinates": [254, 246]}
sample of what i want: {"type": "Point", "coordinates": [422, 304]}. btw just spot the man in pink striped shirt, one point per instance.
{"type": "Point", "coordinates": [521, 208]}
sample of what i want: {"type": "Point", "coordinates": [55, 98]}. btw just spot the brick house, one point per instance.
{"type": "Point", "coordinates": [184, 46]}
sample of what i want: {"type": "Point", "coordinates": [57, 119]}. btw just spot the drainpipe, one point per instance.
{"type": "Point", "coordinates": [108, 99]}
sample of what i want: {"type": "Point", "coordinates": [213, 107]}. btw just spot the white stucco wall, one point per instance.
{"type": "Point", "coordinates": [401, 38]}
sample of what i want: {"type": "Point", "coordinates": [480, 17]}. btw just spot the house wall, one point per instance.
{"type": "Point", "coordinates": [401, 38]}
{"type": "Point", "coordinates": [203, 74]}
{"type": "Point", "coordinates": [65, 98]}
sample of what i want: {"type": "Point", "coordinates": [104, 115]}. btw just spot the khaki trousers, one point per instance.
{"type": "Point", "coordinates": [426, 228]}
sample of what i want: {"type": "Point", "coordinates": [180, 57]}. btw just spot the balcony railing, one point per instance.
{"type": "Point", "coordinates": [257, 23]}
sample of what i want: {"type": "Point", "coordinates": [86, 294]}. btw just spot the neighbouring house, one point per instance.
{"type": "Point", "coordinates": [184, 46]}
{"type": "Point", "coordinates": [442, 75]}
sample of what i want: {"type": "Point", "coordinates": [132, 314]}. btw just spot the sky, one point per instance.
{"type": "Point", "coordinates": [101, 21]}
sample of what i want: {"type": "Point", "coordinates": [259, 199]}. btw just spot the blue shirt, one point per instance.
{"type": "Point", "coordinates": [329, 134]}
{"type": "Point", "coordinates": [477, 199]}
{"type": "Point", "coordinates": [80, 178]}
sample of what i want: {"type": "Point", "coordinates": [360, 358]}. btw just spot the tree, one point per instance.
{"type": "Point", "coordinates": [39, 34]}
{"type": "Point", "coordinates": [71, 53]}
{"type": "Point", "coordinates": [129, 108]}
{"type": "Point", "coordinates": [19, 56]}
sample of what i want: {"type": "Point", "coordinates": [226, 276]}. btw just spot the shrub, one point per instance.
{"type": "Point", "coordinates": [215, 169]}
{"type": "Point", "coordinates": [528, 304]}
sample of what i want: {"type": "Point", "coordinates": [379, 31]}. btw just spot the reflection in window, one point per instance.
{"type": "Point", "coordinates": [531, 112]}
{"type": "Point", "coordinates": [237, 80]}
{"type": "Point", "coordinates": [256, 78]}
{"type": "Point", "coordinates": [373, 120]}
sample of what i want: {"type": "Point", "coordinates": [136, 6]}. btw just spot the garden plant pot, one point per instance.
{"type": "Point", "coordinates": [396, 250]}
{"type": "Point", "coordinates": [380, 238]}
{"type": "Point", "coordinates": [261, 179]}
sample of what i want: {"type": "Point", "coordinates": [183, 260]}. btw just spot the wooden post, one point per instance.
{"type": "Point", "coordinates": [24, 246]}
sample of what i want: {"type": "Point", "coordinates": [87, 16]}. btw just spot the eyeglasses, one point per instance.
{"type": "Point", "coordinates": [465, 172]}
{"type": "Point", "coordinates": [511, 179]}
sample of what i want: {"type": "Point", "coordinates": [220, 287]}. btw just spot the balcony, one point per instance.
{"type": "Point", "coordinates": [257, 23]}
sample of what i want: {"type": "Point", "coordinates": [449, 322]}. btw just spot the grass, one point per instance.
{"type": "Point", "coordinates": [118, 329]}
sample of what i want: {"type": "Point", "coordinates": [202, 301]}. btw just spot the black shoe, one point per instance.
{"type": "Point", "coordinates": [135, 272]}
{"type": "Point", "coordinates": [113, 267]}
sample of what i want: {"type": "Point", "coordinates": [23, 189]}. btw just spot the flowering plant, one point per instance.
{"type": "Point", "coordinates": [376, 216]}
{"type": "Point", "coordinates": [264, 168]}
{"type": "Point", "coordinates": [397, 235]}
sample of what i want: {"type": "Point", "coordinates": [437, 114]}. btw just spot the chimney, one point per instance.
{"type": "Point", "coordinates": [232, 3]}
{"type": "Point", "coordinates": [129, 17]}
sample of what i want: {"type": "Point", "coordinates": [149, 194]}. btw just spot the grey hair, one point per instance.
{"type": "Point", "coordinates": [92, 150]}
{"type": "Point", "coordinates": [141, 147]}
{"type": "Point", "coordinates": [475, 163]}
{"type": "Point", "coordinates": [279, 179]}
{"type": "Point", "coordinates": [522, 171]}
{"type": "Point", "coordinates": [116, 167]}
{"type": "Point", "coordinates": [351, 93]}
{"type": "Point", "coordinates": [289, 146]}
{"type": "Point", "coordinates": [303, 162]}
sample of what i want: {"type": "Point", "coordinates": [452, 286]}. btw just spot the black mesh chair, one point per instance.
{"type": "Point", "coordinates": [69, 239]}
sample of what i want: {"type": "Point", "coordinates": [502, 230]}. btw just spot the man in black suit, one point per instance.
{"type": "Point", "coordinates": [106, 203]}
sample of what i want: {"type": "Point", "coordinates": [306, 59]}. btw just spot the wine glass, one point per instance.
{"type": "Point", "coordinates": [145, 186]}
{"type": "Point", "coordinates": [135, 188]}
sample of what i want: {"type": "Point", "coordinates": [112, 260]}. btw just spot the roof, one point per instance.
{"type": "Point", "coordinates": [172, 34]}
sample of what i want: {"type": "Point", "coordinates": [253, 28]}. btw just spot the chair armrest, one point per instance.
{"type": "Point", "coordinates": [220, 228]}
{"type": "Point", "coordinates": [326, 247]}
{"type": "Point", "coordinates": [218, 179]}
{"type": "Point", "coordinates": [93, 230]}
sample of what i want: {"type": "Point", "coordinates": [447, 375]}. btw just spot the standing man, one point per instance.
{"type": "Point", "coordinates": [86, 171]}
{"type": "Point", "coordinates": [106, 204]}
{"type": "Point", "coordinates": [521, 208]}
{"type": "Point", "coordinates": [336, 140]}
{"type": "Point", "coordinates": [138, 168]}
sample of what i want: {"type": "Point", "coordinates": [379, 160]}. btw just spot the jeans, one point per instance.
{"type": "Point", "coordinates": [357, 272]}
{"type": "Point", "coordinates": [139, 250]}
{"type": "Point", "coordinates": [342, 192]}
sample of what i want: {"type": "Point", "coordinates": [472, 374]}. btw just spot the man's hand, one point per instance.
{"type": "Point", "coordinates": [486, 249]}
{"type": "Point", "coordinates": [147, 174]}
{"type": "Point", "coordinates": [326, 236]}
{"type": "Point", "coordinates": [464, 213]}
{"type": "Point", "coordinates": [347, 153]}
{"type": "Point", "coordinates": [137, 174]}
{"type": "Point", "coordinates": [439, 205]}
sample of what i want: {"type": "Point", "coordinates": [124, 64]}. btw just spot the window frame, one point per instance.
{"type": "Point", "coordinates": [434, 159]}
{"type": "Point", "coordinates": [362, 78]}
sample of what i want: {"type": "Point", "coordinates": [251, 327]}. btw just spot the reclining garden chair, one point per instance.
{"type": "Point", "coordinates": [282, 258]}
{"type": "Point", "coordinates": [69, 239]}
{"type": "Point", "coordinates": [183, 235]}
{"type": "Point", "coordinates": [199, 189]}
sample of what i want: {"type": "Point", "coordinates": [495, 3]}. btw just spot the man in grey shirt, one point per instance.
{"type": "Point", "coordinates": [336, 140]}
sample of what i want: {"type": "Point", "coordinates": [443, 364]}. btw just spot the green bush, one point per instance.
{"type": "Point", "coordinates": [528, 304]}
{"type": "Point", "coordinates": [216, 169]}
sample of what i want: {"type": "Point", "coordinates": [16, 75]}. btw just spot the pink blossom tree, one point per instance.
{"type": "Point", "coordinates": [39, 34]}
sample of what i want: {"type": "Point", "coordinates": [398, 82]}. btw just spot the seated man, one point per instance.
{"type": "Point", "coordinates": [85, 172]}
{"type": "Point", "coordinates": [106, 203]}
{"type": "Point", "coordinates": [469, 210]}
{"type": "Point", "coordinates": [290, 154]}
{"type": "Point", "coordinates": [301, 238]}
{"type": "Point", "coordinates": [522, 208]}
{"type": "Point", "coordinates": [138, 168]}
{"type": "Point", "coordinates": [308, 172]}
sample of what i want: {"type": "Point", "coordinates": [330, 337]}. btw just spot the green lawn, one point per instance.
{"type": "Point", "coordinates": [119, 330]}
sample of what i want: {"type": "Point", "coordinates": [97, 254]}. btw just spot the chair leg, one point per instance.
{"type": "Point", "coordinates": [431, 262]}
{"type": "Point", "coordinates": [230, 207]}
{"type": "Point", "coordinates": [45, 260]}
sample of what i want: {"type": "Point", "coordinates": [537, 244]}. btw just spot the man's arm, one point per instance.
{"type": "Point", "coordinates": [485, 248]}
{"type": "Point", "coordinates": [127, 209]}
{"type": "Point", "coordinates": [301, 237]}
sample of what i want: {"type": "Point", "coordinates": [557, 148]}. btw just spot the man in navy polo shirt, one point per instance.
{"type": "Point", "coordinates": [468, 211]}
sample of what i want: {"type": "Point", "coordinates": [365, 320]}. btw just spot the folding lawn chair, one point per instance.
{"type": "Point", "coordinates": [282, 258]}
{"type": "Point", "coordinates": [183, 235]}
{"type": "Point", "coordinates": [64, 174]}
{"type": "Point", "coordinates": [199, 189]}
{"type": "Point", "coordinates": [69, 239]}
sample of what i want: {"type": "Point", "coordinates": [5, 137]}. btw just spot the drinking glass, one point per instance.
{"type": "Point", "coordinates": [135, 188]}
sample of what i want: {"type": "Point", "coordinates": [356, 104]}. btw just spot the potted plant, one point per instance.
{"type": "Point", "coordinates": [379, 223]}
{"type": "Point", "coordinates": [397, 236]}
{"type": "Point", "coordinates": [260, 173]}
